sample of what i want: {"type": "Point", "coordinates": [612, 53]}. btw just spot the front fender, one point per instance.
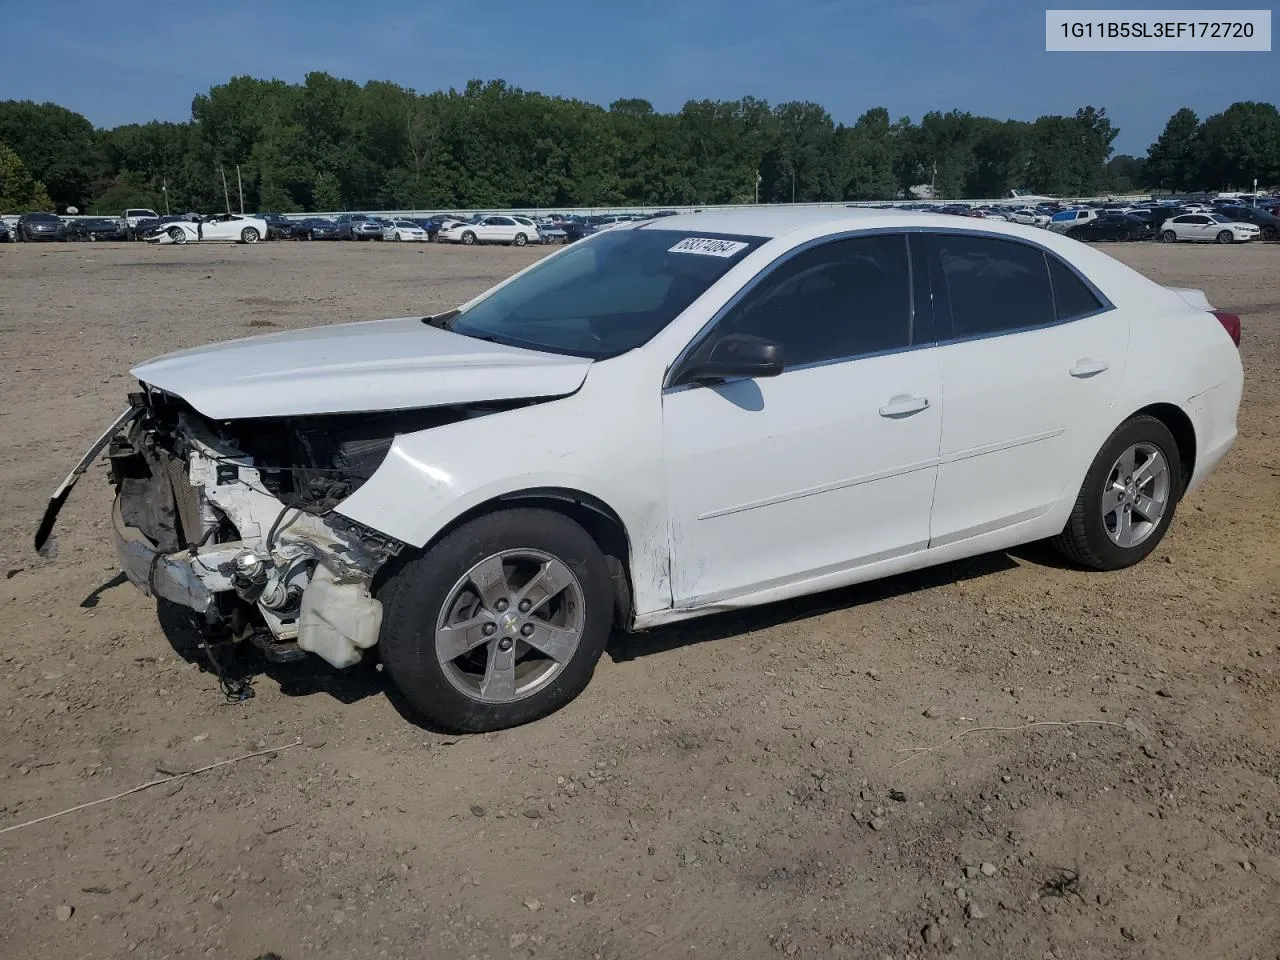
{"type": "Point", "coordinates": [431, 478]}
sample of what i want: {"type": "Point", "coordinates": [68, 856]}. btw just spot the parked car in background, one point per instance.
{"type": "Point", "coordinates": [137, 220]}
{"type": "Point", "coordinates": [221, 228]}
{"type": "Point", "coordinates": [404, 230]}
{"type": "Point", "coordinates": [575, 230]}
{"type": "Point", "coordinates": [279, 227]}
{"type": "Point", "coordinates": [1061, 222]}
{"type": "Point", "coordinates": [41, 226]}
{"type": "Point", "coordinates": [494, 229]}
{"type": "Point", "coordinates": [359, 226]}
{"type": "Point", "coordinates": [1267, 223]}
{"type": "Point", "coordinates": [1120, 227]}
{"type": "Point", "coordinates": [6, 235]}
{"type": "Point", "coordinates": [96, 228]}
{"type": "Point", "coordinates": [1207, 228]}
{"type": "Point", "coordinates": [317, 228]}
{"type": "Point", "coordinates": [459, 493]}
{"type": "Point", "coordinates": [552, 233]}
{"type": "Point", "coordinates": [1031, 218]}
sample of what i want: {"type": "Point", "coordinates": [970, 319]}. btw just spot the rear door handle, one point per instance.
{"type": "Point", "coordinates": [904, 406]}
{"type": "Point", "coordinates": [1089, 368]}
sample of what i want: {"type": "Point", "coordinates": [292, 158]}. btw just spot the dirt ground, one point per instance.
{"type": "Point", "coordinates": [739, 787]}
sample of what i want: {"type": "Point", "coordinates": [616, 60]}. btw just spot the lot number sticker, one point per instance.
{"type": "Point", "coordinates": [707, 247]}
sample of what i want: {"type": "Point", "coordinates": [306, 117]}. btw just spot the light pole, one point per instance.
{"type": "Point", "coordinates": [757, 187]}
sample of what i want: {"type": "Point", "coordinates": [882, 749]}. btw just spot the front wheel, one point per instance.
{"type": "Point", "coordinates": [178, 235]}
{"type": "Point", "coordinates": [500, 623]}
{"type": "Point", "coordinates": [468, 238]}
{"type": "Point", "coordinates": [1128, 497]}
{"type": "Point", "coordinates": [1168, 236]}
{"type": "Point", "coordinates": [1226, 236]}
{"type": "Point", "coordinates": [249, 235]}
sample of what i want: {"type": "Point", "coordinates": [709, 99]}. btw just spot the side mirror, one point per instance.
{"type": "Point", "coordinates": [733, 356]}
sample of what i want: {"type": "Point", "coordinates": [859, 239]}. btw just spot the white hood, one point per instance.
{"type": "Point", "coordinates": [352, 367]}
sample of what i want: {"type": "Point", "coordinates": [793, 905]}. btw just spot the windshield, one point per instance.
{"type": "Point", "coordinates": [605, 295]}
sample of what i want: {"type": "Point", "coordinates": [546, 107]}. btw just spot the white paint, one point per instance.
{"type": "Point", "coordinates": [756, 491]}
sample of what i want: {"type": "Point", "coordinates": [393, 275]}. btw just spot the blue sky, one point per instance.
{"type": "Point", "coordinates": [123, 61]}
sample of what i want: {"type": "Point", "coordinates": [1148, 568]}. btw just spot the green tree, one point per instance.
{"type": "Point", "coordinates": [58, 147]}
{"type": "Point", "coordinates": [1236, 146]}
{"type": "Point", "coordinates": [1171, 159]}
{"type": "Point", "coordinates": [19, 191]}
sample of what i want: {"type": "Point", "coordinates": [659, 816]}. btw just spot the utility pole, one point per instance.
{"type": "Point", "coordinates": [757, 186]}
{"type": "Point", "coordinates": [165, 189]}
{"type": "Point", "coordinates": [225, 196]}
{"type": "Point", "coordinates": [240, 188]}
{"type": "Point", "coordinates": [793, 182]}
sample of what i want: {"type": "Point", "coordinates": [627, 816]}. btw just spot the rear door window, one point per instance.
{"type": "Point", "coordinates": [993, 286]}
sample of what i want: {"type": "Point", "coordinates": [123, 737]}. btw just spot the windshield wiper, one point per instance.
{"type": "Point", "coordinates": [443, 321]}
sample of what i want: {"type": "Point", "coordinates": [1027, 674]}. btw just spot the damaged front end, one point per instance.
{"type": "Point", "coordinates": [234, 520]}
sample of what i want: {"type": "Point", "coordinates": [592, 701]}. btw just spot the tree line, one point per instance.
{"type": "Point", "coordinates": [331, 144]}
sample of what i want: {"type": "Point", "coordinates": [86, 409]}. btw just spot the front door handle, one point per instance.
{"type": "Point", "coordinates": [904, 406]}
{"type": "Point", "coordinates": [1086, 367]}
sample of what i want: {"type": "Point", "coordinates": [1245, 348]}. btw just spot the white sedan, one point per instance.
{"type": "Point", "coordinates": [221, 227]}
{"type": "Point", "coordinates": [665, 420]}
{"type": "Point", "coordinates": [497, 229]}
{"type": "Point", "coordinates": [404, 230]}
{"type": "Point", "coordinates": [1207, 228]}
{"type": "Point", "coordinates": [1031, 218]}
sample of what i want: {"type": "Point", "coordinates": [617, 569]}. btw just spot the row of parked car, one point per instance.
{"type": "Point", "coordinates": [143, 224]}
{"type": "Point", "coordinates": [1225, 220]}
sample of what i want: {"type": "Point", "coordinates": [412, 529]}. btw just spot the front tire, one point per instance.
{"type": "Point", "coordinates": [469, 238]}
{"type": "Point", "coordinates": [500, 623]}
{"type": "Point", "coordinates": [178, 235]}
{"type": "Point", "coordinates": [249, 235]}
{"type": "Point", "coordinates": [1226, 236]}
{"type": "Point", "coordinates": [1128, 497]}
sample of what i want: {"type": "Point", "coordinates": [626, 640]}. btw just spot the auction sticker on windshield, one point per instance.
{"type": "Point", "coordinates": [708, 247]}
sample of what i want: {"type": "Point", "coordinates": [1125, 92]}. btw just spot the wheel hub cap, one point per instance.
{"type": "Point", "coordinates": [509, 625]}
{"type": "Point", "coordinates": [1136, 495]}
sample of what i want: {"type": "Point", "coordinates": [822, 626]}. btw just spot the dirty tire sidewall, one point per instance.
{"type": "Point", "coordinates": [1084, 539]}
{"type": "Point", "coordinates": [415, 593]}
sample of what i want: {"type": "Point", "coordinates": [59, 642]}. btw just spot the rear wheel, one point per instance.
{"type": "Point", "coordinates": [500, 623]}
{"type": "Point", "coordinates": [520, 240]}
{"type": "Point", "coordinates": [1128, 497]}
{"type": "Point", "coordinates": [1226, 236]}
{"type": "Point", "coordinates": [1168, 236]}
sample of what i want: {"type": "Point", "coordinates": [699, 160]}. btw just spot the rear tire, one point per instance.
{"type": "Point", "coordinates": [434, 595]}
{"type": "Point", "coordinates": [1094, 536]}
{"type": "Point", "coordinates": [521, 240]}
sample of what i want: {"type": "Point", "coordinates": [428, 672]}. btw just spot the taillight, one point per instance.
{"type": "Point", "coordinates": [1231, 323]}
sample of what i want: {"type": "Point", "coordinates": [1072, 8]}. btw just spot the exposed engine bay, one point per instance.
{"type": "Point", "coordinates": [234, 519]}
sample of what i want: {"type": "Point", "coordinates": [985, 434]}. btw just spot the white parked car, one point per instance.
{"type": "Point", "coordinates": [1207, 228]}
{"type": "Point", "coordinates": [497, 229]}
{"type": "Point", "coordinates": [404, 230]}
{"type": "Point", "coordinates": [1031, 218]}
{"type": "Point", "coordinates": [664, 420]}
{"type": "Point", "coordinates": [1066, 219]}
{"type": "Point", "coordinates": [221, 227]}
